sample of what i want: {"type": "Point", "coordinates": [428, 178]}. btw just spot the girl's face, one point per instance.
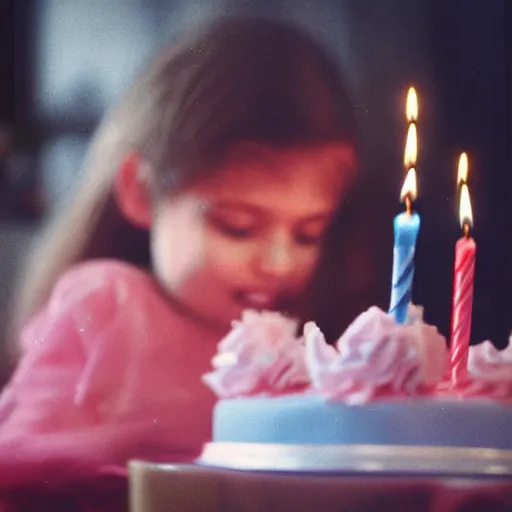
{"type": "Point", "coordinates": [249, 235]}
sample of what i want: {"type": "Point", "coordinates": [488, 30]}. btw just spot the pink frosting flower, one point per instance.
{"type": "Point", "coordinates": [490, 372]}
{"type": "Point", "coordinates": [485, 361]}
{"type": "Point", "coordinates": [376, 357]}
{"type": "Point", "coordinates": [261, 354]}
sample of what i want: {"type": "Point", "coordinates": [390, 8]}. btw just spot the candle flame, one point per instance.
{"type": "Point", "coordinates": [465, 211]}
{"type": "Point", "coordinates": [411, 108]}
{"type": "Point", "coordinates": [409, 188]}
{"type": "Point", "coordinates": [462, 174]}
{"type": "Point", "coordinates": [411, 147]}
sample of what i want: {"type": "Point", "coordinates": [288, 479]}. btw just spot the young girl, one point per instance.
{"type": "Point", "coordinates": [209, 189]}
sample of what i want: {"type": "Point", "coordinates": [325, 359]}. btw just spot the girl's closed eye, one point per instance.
{"type": "Point", "coordinates": [234, 226]}
{"type": "Point", "coordinates": [311, 234]}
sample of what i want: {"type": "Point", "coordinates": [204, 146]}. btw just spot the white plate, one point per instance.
{"type": "Point", "coordinates": [376, 459]}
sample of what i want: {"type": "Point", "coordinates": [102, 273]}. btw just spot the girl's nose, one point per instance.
{"type": "Point", "coordinates": [275, 259]}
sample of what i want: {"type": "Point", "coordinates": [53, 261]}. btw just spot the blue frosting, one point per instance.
{"type": "Point", "coordinates": [309, 419]}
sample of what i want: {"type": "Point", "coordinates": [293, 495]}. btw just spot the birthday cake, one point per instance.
{"type": "Point", "coordinates": [381, 397]}
{"type": "Point", "coordinates": [388, 396]}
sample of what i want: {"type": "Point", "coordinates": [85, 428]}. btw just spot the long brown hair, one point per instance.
{"type": "Point", "coordinates": [234, 79]}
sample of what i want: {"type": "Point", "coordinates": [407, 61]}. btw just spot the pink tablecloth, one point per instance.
{"type": "Point", "coordinates": [187, 488]}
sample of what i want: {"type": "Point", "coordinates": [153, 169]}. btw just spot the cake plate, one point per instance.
{"type": "Point", "coordinates": [378, 459]}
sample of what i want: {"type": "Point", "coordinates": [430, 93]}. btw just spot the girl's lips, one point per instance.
{"type": "Point", "coordinates": [257, 299]}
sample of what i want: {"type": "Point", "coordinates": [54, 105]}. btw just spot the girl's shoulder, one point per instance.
{"type": "Point", "coordinates": [101, 290]}
{"type": "Point", "coordinates": [93, 296]}
{"type": "Point", "coordinates": [100, 277]}
{"type": "Point", "coordinates": [107, 271]}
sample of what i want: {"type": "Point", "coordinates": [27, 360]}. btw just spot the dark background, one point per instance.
{"type": "Point", "coordinates": [456, 52]}
{"type": "Point", "coordinates": [471, 46]}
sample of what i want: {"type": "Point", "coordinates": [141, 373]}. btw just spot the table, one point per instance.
{"type": "Point", "coordinates": [191, 488]}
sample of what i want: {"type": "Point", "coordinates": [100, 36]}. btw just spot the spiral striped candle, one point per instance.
{"type": "Point", "coordinates": [462, 305]}
{"type": "Point", "coordinates": [406, 227]}
{"type": "Point", "coordinates": [463, 279]}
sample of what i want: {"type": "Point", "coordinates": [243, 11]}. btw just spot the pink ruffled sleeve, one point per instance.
{"type": "Point", "coordinates": [54, 414]}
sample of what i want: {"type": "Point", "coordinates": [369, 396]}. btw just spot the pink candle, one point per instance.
{"type": "Point", "coordinates": [463, 280]}
{"type": "Point", "coordinates": [462, 305]}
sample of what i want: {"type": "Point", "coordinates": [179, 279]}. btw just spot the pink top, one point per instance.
{"type": "Point", "coordinates": [110, 371]}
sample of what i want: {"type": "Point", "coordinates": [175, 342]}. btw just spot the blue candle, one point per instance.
{"type": "Point", "coordinates": [406, 226]}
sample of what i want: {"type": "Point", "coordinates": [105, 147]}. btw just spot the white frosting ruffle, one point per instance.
{"type": "Point", "coordinates": [261, 354]}
{"type": "Point", "coordinates": [485, 361]}
{"type": "Point", "coordinates": [377, 357]}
